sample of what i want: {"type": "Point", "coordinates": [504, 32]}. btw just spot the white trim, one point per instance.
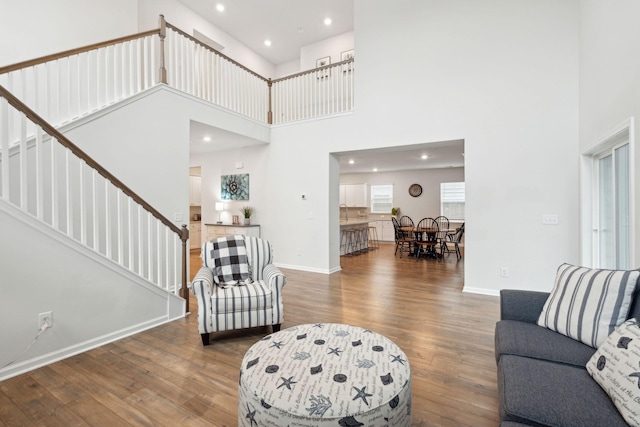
{"type": "Point", "coordinates": [308, 269]}
{"type": "Point", "coordinates": [64, 353]}
{"type": "Point", "coordinates": [623, 132]}
{"type": "Point", "coordinates": [481, 291]}
{"type": "Point", "coordinates": [62, 238]}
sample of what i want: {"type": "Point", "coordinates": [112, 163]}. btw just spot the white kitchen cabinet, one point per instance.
{"type": "Point", "coordinates": [214, 231]}
{"type": "Point", "coordinates": [195, 235]}
{"type": "Point", "coordinates": [386, 232]}
{"type": "Point", "coordinates": [353, 195]}
{"type": "Point", "coordinates": [195, 189]}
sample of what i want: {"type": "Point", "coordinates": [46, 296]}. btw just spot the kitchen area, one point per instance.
{"type": "Point", "coordinates": [357, 224]}
{"type": "Point", "coordinates": [394, 189]}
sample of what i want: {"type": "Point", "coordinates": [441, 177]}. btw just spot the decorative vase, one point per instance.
{"type": "Point", "coordinates": [247, 221]}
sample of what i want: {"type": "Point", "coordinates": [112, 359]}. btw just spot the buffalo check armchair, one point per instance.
{"type": "Point", "coordinates": [238, 286]}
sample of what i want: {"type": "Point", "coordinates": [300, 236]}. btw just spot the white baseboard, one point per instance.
{"type": "Point", "coordinates": [64, 353]}
{"type": "Point", "coordinates": [481, 291]}
{"type": "Point", "coordinates": [305, 268]}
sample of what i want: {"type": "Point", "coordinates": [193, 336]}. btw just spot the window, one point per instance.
{"type": "Point", "coordinates": [612, 211]}
{"type": "Point", "coordinates": [381, 198]}
{"type": "Point", "coordinates": [452, 200]}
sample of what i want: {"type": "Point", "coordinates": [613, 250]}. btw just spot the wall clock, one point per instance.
{"type": "Point", "coordinates": [415, 190]}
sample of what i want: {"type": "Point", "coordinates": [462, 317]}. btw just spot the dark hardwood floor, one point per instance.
{"type": "Point", "coordinates": [165, 376]}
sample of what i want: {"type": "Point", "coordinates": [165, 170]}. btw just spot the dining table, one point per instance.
{"type": "Point", "coordinates": [429, 236]}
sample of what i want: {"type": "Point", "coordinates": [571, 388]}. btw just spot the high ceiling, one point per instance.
{"type": "Point", "coordinates": [281, 21]}
{"type": "Point", "coordinates": [288, 24]}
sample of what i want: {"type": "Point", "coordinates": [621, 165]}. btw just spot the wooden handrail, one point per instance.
{"type": "Point", "coordinates": [313, 70]}
{"type": "Point", "coordinates": [183, 232]}
{"type": "Point", "coordinates": [234, 62]}
{"type": "Point", "coordinates": [76, 51]}
{"type": "Point", "coordinates": [35, 118]}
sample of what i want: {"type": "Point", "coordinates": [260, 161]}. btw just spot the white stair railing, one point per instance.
{"type": "Point", "coordinates": [314, 93]}
{"type": "Point", "coordinates": [46, 176]}
{"type": "Point", "coordinates": [201, 71]}
{"type": "Point", "coordinates": [66, 86]}
{"type": "Point", "coordinates": [72, 84]}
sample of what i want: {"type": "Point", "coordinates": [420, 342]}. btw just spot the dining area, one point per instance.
{"type": "Point", "coordinates": [428, 238]}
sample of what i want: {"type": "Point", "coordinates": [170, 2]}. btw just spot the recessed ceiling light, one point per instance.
{"type": "Point", "coordinates": [267, 42]}
{"type": "Point", "coordinates": [424, 157]}
{"type": "Point", "coordinates": [220, 7]}
{"type": "Point", "coordinates": [351, 161]}
{"type": "Point", "coordinates": [327, 21]}
{"type": "Point", "coordinates": [375, 169]}
{"type": "Point", "coordinates": [206, 139]}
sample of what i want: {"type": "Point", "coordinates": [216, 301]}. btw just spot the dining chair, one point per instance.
{"type": "Point", "coordinates": [443, 231]}
{"type": "Point", "coordinates": [452, 244]}
{"type": "Point", "coordinates": [426, 238]}
{"type": "Point", "coordinates": [402, 240]}
{"type": "Point", "coordinates": [406, 223]}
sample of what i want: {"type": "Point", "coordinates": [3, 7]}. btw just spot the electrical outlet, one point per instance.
{"type": "Point", "coordinates": [46, 317]}
{"type": "Point", "coordinates": [504, 272]}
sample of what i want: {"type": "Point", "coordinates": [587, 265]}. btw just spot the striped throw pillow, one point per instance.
{"type": "Point", "coordinates": [588, 305]}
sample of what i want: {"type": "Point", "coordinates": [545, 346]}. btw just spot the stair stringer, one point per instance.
{"type": "Point", "coordinates": [93, 299]}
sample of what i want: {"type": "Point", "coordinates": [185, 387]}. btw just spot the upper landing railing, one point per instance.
{"type": "Point", "coordinates": [65, 86]}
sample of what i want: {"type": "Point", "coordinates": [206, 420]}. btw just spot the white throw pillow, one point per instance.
{"type": "Point", "coordinates": [616, 367]}
{"type": "Point", "coordinates": [587, 304]}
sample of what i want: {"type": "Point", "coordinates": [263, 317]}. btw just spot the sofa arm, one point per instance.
{"type": "Point", "coordinates": [202, 284]}
{"type": "Point", "coordinates": [524, 306]}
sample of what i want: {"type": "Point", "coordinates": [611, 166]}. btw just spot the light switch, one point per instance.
{"type": "Point", "coordinates": [550, 219]}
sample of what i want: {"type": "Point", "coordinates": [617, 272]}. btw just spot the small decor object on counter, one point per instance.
{"type": "Point", "coordinates": [247, 211]}
{"type": "Point", "coordinates": [236, 220]}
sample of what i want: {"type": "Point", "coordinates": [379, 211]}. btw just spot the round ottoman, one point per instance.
{"type": "Point", "coordinates": [325, 374]}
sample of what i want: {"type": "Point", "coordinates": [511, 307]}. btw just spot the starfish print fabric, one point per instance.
{"type": "Point", "coordinates": [325, 374]}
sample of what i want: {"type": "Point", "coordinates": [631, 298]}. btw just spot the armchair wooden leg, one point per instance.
{"type": "Point", "coordinates": [276, 328]}
{"type": "Point", "coordinates": [205, 339]}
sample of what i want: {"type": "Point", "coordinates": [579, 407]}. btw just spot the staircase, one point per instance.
{"type": "Point", "coordinates": [77, 240]}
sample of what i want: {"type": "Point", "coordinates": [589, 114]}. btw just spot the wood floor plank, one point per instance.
{"type": "Point", "coordinates": [165, 377]}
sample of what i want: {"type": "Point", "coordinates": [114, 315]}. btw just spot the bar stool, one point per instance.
{"type": "Point", "coordinates": [349, 239]}
{"type": "Point", "coordinates": [372, 241]}
{"type": "Point", "coordinates": [361, 240]}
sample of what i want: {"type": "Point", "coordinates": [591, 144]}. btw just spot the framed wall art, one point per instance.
{"type": "Point", "coordinates": [234, 187]}
{"type": "Point", "coordinates": [321, 63]}
{"type": "Point", "coordinates": [345, 56]}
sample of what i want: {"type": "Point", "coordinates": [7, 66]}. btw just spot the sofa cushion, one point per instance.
{"type": "Point", "coordinates": [616, 367]}
{"type": "Point", "coordinates": [227, 257]}
{"type": "Point", "coordinates": [587, 304]}
{"type": "Point", "coordinates": [539, 392]}
{"type": "Point", "coordinates": [530, 340]}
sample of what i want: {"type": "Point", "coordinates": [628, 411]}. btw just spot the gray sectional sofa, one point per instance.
{"type": "Point", "coordinates": [542, 380]}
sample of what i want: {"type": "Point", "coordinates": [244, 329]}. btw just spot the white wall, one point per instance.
{"type": "Point", "coordinates": [93, 301]}
{"type": "Point", "coordinates": [184, 18]}
{"type": "Point", "coordinates": [610, 81]}
{"type": "Point", "coordinates": [425, 205]}
{"type": "Point", "coordinates": [332, 47]}
{"type": "Point", "coordinates": [34, 28]}
{"type": "Point", "coordinates": [218, 163]}
{"type": "Point", "coordinates": [501, 76]}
